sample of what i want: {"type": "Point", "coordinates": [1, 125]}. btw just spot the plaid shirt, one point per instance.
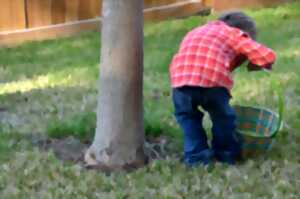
{"type": "Point", "coordinates": [208, 55]}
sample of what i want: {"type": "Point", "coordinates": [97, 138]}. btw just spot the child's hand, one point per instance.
{"type": "Point", "coordinates": [254, 67]}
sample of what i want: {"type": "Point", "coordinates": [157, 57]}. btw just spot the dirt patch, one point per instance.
{"type": "Point", "coordinates": [71, 149]}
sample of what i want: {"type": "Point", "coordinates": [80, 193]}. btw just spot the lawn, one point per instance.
{"type": "Point", "coordinates": [49, 89]}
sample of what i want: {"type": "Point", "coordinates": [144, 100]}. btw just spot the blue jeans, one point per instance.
{"type": "Point", "coordinates": [226, 146]}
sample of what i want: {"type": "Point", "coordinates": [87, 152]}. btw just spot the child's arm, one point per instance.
{"type": "Point", "coordinates": [239, 60]}
{"type": "Point", "coordinates": [259, 56]}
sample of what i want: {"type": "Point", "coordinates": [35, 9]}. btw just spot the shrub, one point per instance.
{"type": "Point", "coordinates": [80, 126]}
{"type": "Point", "coordinates": [83, 127]}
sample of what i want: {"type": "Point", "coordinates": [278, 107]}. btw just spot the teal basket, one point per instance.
{"type": "Point", "coordinates": [257, 128]}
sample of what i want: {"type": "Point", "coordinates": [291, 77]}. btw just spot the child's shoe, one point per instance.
{"type": "Point", "coordinates": [205, 157]}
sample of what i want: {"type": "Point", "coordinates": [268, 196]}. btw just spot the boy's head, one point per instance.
{"type": "Point", "coordinates": [240, 20]}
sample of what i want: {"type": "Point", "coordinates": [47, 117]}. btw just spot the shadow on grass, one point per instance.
{"type": "Point", "coordinates": [63, 119]}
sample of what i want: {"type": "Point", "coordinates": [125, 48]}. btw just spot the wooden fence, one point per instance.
{"type": "Point", "coordinates": [23, 20]}
{"type": "Point", "coordinates": [21, 14]}
{"type": "Point", "coordinates": [220, 5]}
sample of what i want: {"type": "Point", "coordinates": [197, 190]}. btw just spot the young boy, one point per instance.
{"type": "Point", "coordinates": [200, 75]}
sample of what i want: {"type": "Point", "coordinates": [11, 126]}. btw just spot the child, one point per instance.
{"type": "Point", "coordinates": [200, 75]}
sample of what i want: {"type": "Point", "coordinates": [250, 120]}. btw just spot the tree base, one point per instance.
{"type": "Point", "coordinates": [92, 163]}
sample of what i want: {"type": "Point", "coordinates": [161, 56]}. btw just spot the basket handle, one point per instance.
{"type": "Point", "coordinates": [281, 101]}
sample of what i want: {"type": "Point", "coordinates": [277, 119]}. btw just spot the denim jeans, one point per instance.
{"type": "Point", "coordinates": [226, 146]}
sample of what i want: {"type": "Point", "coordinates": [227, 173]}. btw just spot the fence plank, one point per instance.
{"type": "Point", "coordinates": [220, 5]}
{"type": "Point", "coordinates": [154, 3]}
{"type": "Point", "coordinates": [96, 8]}
{"type": "Point", "coordinates": [39, 13]}
{"type": "Point", "coordinates": [48, 32]}
{"type": "Point", "coordinates": [58, 11]}
{"type": "Point", "coordinates": [179, 9]}
{"type": "Point", "coordinates": [72, 10]}
{"type": "Point", "coordinates": [89, 9]}
{"type": "Point", "coordinates": [208, 3]}
{"type": "Point", "coordinates": [12, 15]}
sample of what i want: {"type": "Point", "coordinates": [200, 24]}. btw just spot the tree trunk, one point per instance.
{"type": "Point", "coordinates": [119, 135]}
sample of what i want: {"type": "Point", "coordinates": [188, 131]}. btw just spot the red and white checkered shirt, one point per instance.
{"type": "Point", "coordinates": [208, 54]}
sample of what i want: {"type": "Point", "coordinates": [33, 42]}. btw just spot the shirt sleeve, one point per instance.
{"type": "Point", "coordinates": [256, 53]}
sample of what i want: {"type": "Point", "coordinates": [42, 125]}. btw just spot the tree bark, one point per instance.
{"type": "Point", "coordinates": [119, 138]}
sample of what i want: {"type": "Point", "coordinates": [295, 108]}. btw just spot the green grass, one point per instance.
{"type": "Point", "coordinates": [11, 142]}
{"type": "Point", "coordinates": [50, 88]}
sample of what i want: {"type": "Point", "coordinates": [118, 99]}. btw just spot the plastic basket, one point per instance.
{"type": "Point", "coordinates": [257, 129]}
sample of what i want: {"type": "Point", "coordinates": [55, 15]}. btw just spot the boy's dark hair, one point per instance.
{"type": "Point", "coordinates": [240, 20]}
